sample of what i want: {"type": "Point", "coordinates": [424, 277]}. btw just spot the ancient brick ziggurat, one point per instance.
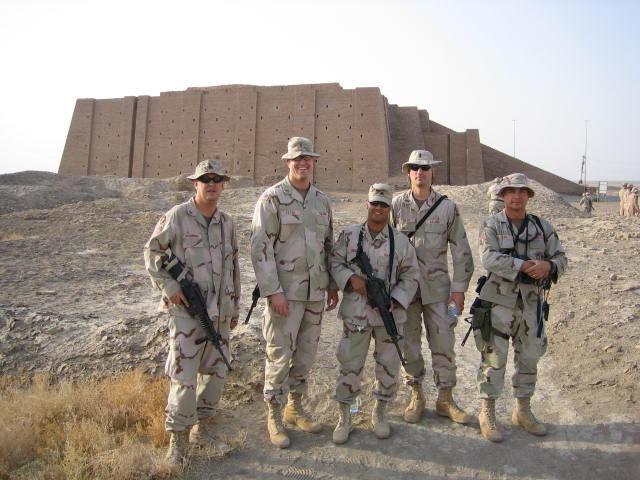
{"type": "Point", "coordinates": [362, 138]}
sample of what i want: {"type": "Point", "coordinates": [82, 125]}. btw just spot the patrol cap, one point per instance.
{"type": "Point", "coordinates": [299, 147]}
{"type": "Point", "coordinates": [420, 157]}
{"type": "Point", "coordinates": [209, 166]}
{"type": "Point", "coordinates": [380, 192]}
{"type": "Point", "coordinates": [516, 180]}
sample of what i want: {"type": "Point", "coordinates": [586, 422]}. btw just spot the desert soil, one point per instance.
{"type": "Point", "coordinates": [75, 302]}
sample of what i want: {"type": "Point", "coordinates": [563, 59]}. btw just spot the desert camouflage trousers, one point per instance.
{"type": "Point", "coordinates": [352, 355]}
{"type": "Point", "coordinates": [495, 206]}
{"type": "Point", "coordinates": [292, 343]}
{"type": "Point", "coordinates": [441, 337]}
{"type": "Point", "coordinates": [521, 325]}
{"type": "Point", "coordinates": [197, 372]}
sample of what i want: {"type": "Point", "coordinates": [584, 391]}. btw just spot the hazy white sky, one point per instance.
{"type": "Point", "coordinates": [550, 65]}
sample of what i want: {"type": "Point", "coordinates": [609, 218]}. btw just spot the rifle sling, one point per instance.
{"type": "Point", "coordinates": [426, 215]}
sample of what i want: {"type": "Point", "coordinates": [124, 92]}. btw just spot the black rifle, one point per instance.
{"type": "Point", "coordinates": [377, 297]}
{"type": "Point", "coordinates": [255, 296]}
{"type": "Point", "coordinates": [197, 305]}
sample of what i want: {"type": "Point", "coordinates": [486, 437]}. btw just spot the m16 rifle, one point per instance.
{"type": "Point", "coordinates": [378, 298]}
{"type": "Point", "coordinates": [255, 296]}
{"type": "Point", "coordinates": [197, 304]}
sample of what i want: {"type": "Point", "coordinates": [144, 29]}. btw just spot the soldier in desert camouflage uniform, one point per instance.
{"type": "Point", "coordinates": [518, 251]}
{"type": "Point", "coordinates": [622, 196]}
{"type": "Point", "coordinates": [442, 229]}
{"type": "Point", "coordinates": [586, 202]}
{"type": "Point", "coordinates": [292, 235]}
{"type": "Point", "coordinates": [361, 322]}
{"type": "Point", "coordinates": [633, 210]}
{"type": "Point", "coordinates": [204, 239]}
{"type": "Point", "coordinates": [496, 204]}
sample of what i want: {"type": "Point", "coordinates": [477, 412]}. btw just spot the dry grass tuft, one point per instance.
{"type": "Point", "coordinates": [7, 237]}
{"type": "Point", "coordinates": [107, 429]}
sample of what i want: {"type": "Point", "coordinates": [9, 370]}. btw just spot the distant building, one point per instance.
{"type": "Point", "coordinates": [362, 138]}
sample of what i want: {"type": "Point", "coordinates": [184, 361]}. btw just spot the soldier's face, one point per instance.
{"type": "Point", "coordinates": [301, 168]}
{"type": "Point", "coordinates": [208, 192]}
{"type": "Point", "coordinates": [420, 178]}
{"type": "Point", "coordinates": [515, 198]}
{"type": "Point", "coordinates": [378, 212]}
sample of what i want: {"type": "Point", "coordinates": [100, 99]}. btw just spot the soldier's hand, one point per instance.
{"type": "Point", "coordinates": [332, 299]}
{"type": "Point", "coordinates": [358, 284]}
{"type": "Point", "coordinates": [458, 298]}
{"type": "Point", "coordinates": [527, 265]}
{"type": "Point", "coordinates": [233, 323]}
{"type": "Point", "coordinates": [540, 269]}
{"type": "Point", "coordinates": [179, 299]}
{"type": "Point", "coordinates": [279, 304]}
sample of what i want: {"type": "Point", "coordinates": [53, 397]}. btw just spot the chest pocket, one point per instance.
{"type": "Point", "coordinates": [322, 224]}
{"type": "Point", "coordinates": [290, 222]}
{"type": "Point", "coordinates": [406, 227]}
{"type": "Point", "coordinates": [196, 253]}
{"type": "Point", "coordinates": [435, 235]}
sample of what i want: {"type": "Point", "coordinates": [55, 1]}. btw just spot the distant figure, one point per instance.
{"type": "Point", "coordinates": [626, 208]}
{"type": "Point", "coordinates": [496, 204]}
{"type": "Point", "coordinates": [586, 202]}
{"type": "Point", "coordinates": [622, 194]}
{"type": "Point", "coordinates": [632, 203]}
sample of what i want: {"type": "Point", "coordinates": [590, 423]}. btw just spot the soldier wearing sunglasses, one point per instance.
{"type": "Point", "coordinates": [433, 224]}
{"type": "Point", "coordinates": [204, 240]}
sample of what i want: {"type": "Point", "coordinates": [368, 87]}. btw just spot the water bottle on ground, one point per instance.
{"type": "Point", "coordinates": [355, 406]}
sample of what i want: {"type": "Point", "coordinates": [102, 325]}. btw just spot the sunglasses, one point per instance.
{"type": "Point", "coordinates": [424, 168]}
{"type": "Point", "coordinates": [302, 158]}
{"type": "Point", "coordinates": [379, 204]}
{"type": "Point", "coordinates": [208, 179]}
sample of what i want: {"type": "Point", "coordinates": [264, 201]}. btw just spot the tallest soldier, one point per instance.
{"type": "Point", "coordinates": [291, 238]}
{"type": "Point", "coordinates": [433, 224]}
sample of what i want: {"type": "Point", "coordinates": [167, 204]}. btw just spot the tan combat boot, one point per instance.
{"type": "Point", "coordinates": [447, 407]}
{"type": "Point", "coordinates": [381, 427]}
{"type": "Point", "coordinates": [296, 416]}
{"type": "Point", "coordinates": [487, 419]}
{"type": "Point", "coordinates": [277, 433]}
{"type": "Point", "coordinates": [203, 434]}
{"type": "Point", "coordinates": [413, 412]}
{"type": "Point", "coordinates": [177, 448]}
{"type": "Point", "coordinates": [344, 426]}
{"type": "Point", "coordinates": [523, 417]}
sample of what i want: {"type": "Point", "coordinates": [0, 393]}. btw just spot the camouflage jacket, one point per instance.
{"type": "Point", "coordinates": [404, 275]}
{"type": "Point", "coordinates": [443, 228]}
{"type": "Point", "coordinates": [291, 238]}
{"type": "Point", "coordinates": [504, 285]}
{"type": "Point", "coordinates": [183, 229]}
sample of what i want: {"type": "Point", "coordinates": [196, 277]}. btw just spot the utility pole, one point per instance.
{"type": "Point", "coordinates": [514, 138]}
{"type": "Point", "coordinates": [583, 173]}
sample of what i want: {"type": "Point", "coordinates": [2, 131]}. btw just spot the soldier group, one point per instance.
{"type": "Point", "coordinates": [299, 270]}
{"type": "Point", "coordinates": [629, 201]}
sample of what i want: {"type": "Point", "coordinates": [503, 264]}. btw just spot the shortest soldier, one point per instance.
{"type": "Point", "coordinates": [586, 202]}
{"type": "Point", "coordinates": [204, 239]}
{"type": "Point", "coordinates": [522, 256]}
{"type": "Point", "coordinates": [393, 260]}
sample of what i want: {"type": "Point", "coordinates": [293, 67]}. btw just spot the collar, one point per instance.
{"type": "Point", "coordinates": [293, 191]}
{"type": "Point", "coordinates": [193, 211]}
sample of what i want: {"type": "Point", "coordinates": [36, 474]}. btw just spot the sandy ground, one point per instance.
{"type": "Point", "coordinates": [75, 301]}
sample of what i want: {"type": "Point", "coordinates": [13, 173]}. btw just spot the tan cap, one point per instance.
{"type": "Point", "coordinates": [516, 180]}
{"type": "Point", "coordinates": [380, 192]}
{"type": "Point", "coordinates": [209, 166]}
{"type": "Point", "coordinates": [420, 157]}
{"type": "Point", "coordinates": [299, 147]}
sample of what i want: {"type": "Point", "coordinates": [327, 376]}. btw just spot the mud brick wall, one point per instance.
{"type": "Point", "coordinates": [362, 139]}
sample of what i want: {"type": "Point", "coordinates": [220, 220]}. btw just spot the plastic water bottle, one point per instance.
{"type": "Point", "coordinates": [452, 309]}
{"type": "Point", "coordinates": [355, 406]}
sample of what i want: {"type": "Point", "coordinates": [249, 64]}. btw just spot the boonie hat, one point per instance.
{"type": "Point", "coordinates": [380, 192]}
{"type": "Point", "coordinates": [420, 157]}
{"type": "Point", "coordinates": [209, 166]}
{"type": "Point", "coordinates": [299, 147]}
{"type": "Point", "coordinates": [516, 180]}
